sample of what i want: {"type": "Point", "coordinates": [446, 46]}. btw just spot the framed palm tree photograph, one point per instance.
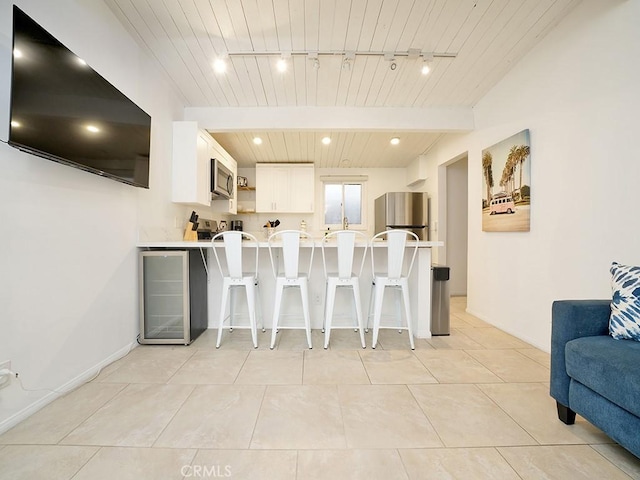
{"type": "Point", "coordinates": [506, 185]}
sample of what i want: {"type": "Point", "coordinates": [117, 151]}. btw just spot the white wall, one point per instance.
{"type": "Point", "coordinates": [68, 288]}
{"type": "Point", "coordinates": [577, 92]}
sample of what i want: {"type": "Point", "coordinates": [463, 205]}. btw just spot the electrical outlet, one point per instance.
{"type": "Point", "coordinates": [6, 364]}
{"type": "Point", "coordinates": [318, 299]}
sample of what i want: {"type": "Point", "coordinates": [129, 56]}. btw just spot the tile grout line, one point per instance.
{"type": "Point", "coordinates": [408, 387]}
{"type": "Point", "coordinates": [508, 463]}
{"type": "Point", "coordinates": [118, 394]}
{"type": "Point", "coordinates": [479, 388]}
{"type": "Point", "coordinates": [255, 424]}
{"type": "Point", "coordinates": [404, 465]}
{"type": "Point", "coordinates": [193, 389]}
{"type": "Point", "coordinates": [244, 362]}
{"type": "Point", "coordinates": [85, 463]}
{"type": "Point", "coordinates": [605, 458]}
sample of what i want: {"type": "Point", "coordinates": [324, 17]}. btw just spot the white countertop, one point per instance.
{"type": "Point", "coordinates": [263, 243]}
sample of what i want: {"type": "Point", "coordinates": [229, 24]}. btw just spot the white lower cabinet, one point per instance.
{"type": "Point", "coordinates": [285, 188]}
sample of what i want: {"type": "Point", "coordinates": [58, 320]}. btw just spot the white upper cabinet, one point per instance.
{"type": "Point", "coordinates": [193, 150]}
{"type": "Point", "coordinates": [301, 189]}
{"type": "Point", "coordinates": [285, 188]}
{"type": "Point", "coordinates": [191, 165]}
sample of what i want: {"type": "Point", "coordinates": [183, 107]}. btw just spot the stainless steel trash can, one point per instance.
{"type": "Point", "coordinates": [440, 324]}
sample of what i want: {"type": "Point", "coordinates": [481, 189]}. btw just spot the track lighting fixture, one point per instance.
{"type": "Point", "coordinates": [348, 58]}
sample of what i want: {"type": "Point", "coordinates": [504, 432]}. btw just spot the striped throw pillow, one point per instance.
{"type": "Point", "coordinates": [624, 322]}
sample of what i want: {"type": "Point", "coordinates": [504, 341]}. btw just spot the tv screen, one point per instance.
{"type": "Point", "coordinates": [63, 110]}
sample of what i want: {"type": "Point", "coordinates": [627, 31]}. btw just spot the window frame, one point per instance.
{"type": "Point", "coordinates": [363, 225]}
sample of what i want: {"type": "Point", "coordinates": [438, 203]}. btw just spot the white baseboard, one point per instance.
{"type": "Point", "coordinates": [72, 384]}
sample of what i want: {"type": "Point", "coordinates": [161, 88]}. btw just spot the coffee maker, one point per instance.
{"type": "Point", "coordinates": [236, 225]}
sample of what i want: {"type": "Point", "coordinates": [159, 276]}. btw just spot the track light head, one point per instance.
{"type": "Point", "coordinates": [349, 58]}
{"type": "Point", "coordinates": [220, 65]}
{"type": "Point", "coordinates": [313, 56]}
{"type": "Point", "coordinates": [391, 58]}
{"type": "Point", "coordinates": [427, 60]}
{"type": "Point", "coordinates": [283, 62]}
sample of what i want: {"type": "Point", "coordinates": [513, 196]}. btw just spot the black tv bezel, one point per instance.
{"type": "Point", "coordinates": [55, 158]}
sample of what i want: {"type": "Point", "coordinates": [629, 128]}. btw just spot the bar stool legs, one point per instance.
{"type": "Point", "coordinates": [332, 286]}
{"type": "Point", "coordinates": [377, 298]}
{"type": "Point", "coordinates": [281, 284]}
{"type": "Point", "coordinates": [229, 294]}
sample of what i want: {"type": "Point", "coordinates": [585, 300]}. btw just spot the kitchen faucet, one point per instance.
{"type": "Point", "coordinates": [345, 223]}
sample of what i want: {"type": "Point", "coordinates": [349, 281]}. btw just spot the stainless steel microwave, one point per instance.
{"type": "Point", "coordinates": [222, 181]}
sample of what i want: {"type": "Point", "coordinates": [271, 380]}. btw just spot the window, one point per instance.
{"type": "Point", "coordinates": [344, 200]}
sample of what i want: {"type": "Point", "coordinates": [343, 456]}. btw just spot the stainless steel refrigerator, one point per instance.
{"type": "Point", "coordinates": [404, 210]}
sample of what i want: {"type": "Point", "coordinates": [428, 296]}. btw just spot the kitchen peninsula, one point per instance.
{"type": "Point", "coordinates": [420, 280]}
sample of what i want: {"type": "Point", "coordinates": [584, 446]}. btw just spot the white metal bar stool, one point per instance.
{"type": "Point", "coordinates": [345, 277]}
{"type": "Point", "coordinates": [291, 277]}
{"type": "Point", "coordinates": [392, 278]}
{"type": "Point", "coordinates": [233, 277]}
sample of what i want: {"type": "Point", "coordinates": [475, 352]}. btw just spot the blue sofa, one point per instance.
{"type": "Point", "coordinates": [593, 374]}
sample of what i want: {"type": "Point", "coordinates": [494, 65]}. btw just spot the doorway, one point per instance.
{"type": "Point", "coordinates": [454, 210]}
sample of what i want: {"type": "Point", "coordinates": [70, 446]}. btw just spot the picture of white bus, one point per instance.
{"type": "Point", "coordinates": [502, 204]}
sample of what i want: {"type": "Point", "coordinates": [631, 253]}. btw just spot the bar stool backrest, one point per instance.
{"type": "Point", "coordinates": [290, 252]}
{"type": "Point", "coordinates": [346, 240]}
{"type": "Point", "coordinates": [396, 247]}
{"type": "Point", "coordinates": [232, 242]}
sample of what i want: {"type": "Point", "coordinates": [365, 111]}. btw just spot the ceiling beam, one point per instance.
{"type": "Point", "coordinates": [435, 119]}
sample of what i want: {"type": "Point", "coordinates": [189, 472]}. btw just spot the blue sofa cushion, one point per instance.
{"type": "Point", "coordinates": [624, 322]}
{"type": "Point", "coordinates": [607, 366]}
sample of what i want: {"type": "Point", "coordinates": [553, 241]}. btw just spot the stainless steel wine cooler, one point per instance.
{"type": "Point", "coordinates": [173, 296]}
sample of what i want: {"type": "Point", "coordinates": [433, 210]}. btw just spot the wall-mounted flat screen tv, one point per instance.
{"type": "Point", "coordinates": [63, 110]}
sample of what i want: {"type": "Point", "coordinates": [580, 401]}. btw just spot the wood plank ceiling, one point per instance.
{"type": "Point", "coordinates": [186, 36]}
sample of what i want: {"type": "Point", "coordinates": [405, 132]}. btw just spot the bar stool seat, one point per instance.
{"type": "Point", "coordinates": [234, 278]}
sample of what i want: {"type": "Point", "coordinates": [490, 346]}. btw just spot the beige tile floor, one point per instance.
{"type": "Point", "coordinates": [473, 405]}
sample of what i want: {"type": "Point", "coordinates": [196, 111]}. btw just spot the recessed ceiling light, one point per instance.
{"type": "Point", "coordinates": [257, 140]}
{"type": "Point", "coordinates": [15, 124]}
{"type": "Point", "coordinates": [92, 128]}
{"type": "Point", "coordinates": [17, 53]}
{"type": "Point", "coordinates": [81, 61]}
{"type": "Point", "coordinates": [219, 65]}
{"type": "Point", "coordinates": [326, 140]}
{"type": "Point", "coordinates": [395, 141]}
